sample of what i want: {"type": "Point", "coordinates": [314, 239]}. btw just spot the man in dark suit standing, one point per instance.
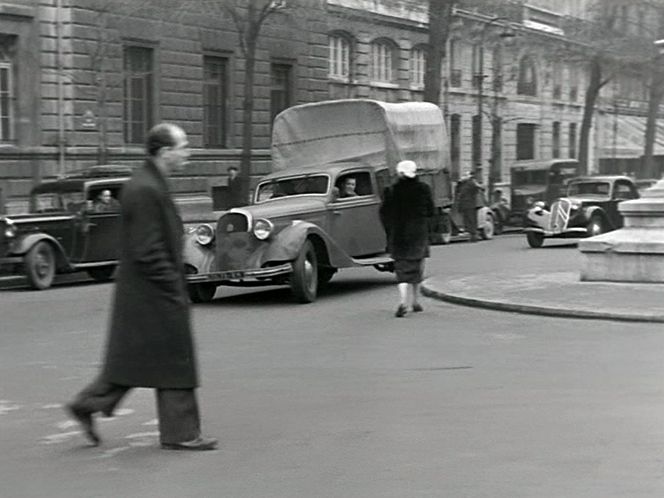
{"type": "Point", "coordinates": [234, 189]}
{"type": "Point", "coordinates": [150, 342]}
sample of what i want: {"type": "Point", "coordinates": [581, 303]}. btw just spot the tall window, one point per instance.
{"type": "Point", "coordinates": [573, 83]}
{"type": "Point", "coordinates": [6, 100]}
{"type": "Point", "coordinates": [527, 84]}
{"type": "Point", "coordinates": [383, 64]}
{"type": "Point", "coordinates": [280, 93]}
{"type": "Point", "coordinates": [572, 140]}
{"type": "Point", "coordinates": [525, 141]}
{"type": "Point", "coordinates": [557, 81]}
{"type": "Point", "coordinates": [455, 146]}
{"type": "Point", "coordinates": [497, 62]}
{"type": "Point", "coordinates": [476, 141]}
{"type": "Point", "coordinates": [456, 74]}
{"type": "Point", "coordinates": [418, 58]}
{"type": "Point", "coordinates": [555, 140]}
{"type": "Point", "coordinates": [215, 98]}
{"type": "Point", "coordinates": [476, 63]}
{"type": "Point", "coordinates": [138, 93]}
{"type": "Point", "coordinates": [339, 57]}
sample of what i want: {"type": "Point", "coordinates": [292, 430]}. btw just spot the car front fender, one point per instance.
{"type": "Point", "coordinates": [22, 246]}
{"type": "Point", "coordinates": [286, 244]}
{"type": "Point", "coordinates": [538, 217]}
{"type": "Point", "coordinates": [197, 258]}
{"type": "Point", "coordinates": [591, 210]}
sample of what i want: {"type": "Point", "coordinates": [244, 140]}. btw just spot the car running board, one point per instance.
{"type": "Point", "coordinates": [381, 259]}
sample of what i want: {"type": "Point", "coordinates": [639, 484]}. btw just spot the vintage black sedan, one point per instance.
{"type": "Point", "coordinates": [68, 228]}
{"type": "Point", "coordinates": [590, 207]}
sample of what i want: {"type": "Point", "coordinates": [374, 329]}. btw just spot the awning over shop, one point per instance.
{"type": "Point", "coordinates": [624, 136]}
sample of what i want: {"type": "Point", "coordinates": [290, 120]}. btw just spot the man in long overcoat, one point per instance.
{"type": "Point", "coordinates": [406, 213]}
{"type": "Point", "coordinates": [150, 342]}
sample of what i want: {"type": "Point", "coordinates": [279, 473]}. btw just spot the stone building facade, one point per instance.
{"type": "Point", "coordinates": [82, 80]}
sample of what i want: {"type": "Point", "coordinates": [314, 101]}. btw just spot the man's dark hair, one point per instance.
{"type": "Point", "coordinates": [160, 136]}
{"type": "Point", "coordinates": [233, 168]}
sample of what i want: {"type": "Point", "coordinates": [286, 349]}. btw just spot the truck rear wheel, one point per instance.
{"type": "Point", "coordinates": [304, 280]}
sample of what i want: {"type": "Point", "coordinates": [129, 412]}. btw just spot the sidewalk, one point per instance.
{"type": "Point", "coordinates": [554, 291]}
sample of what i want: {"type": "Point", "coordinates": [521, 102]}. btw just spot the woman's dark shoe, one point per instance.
{"type": "Point", "coordinates": [401, 311]}
{"type": "Point", "coordinates": [417, 308]}
{"type": "Point", "coordinates": [198, 444]}
{"type": "Point", "coordinates": [84, 418]}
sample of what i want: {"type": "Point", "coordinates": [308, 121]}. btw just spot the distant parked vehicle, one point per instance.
{"type": "Point", "coordinates": [538, 181]}
{"type": "Point", "coordinates": [589, 208]}
{"type": "Point", "coordinates": [64, 231]}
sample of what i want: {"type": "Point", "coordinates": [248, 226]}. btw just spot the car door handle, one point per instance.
{"type": "Point", "coordinates": [336, 213]}
{"type": "Point", "coordinates": [92, 224]}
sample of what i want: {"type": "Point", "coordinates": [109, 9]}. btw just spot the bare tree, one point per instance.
{"type": "Point", "coordinates": [440, 18]}
{"type": "Point", "coordinates": [603, 45]}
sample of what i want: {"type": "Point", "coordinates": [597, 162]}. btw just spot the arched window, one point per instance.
{"type": "Point", "coordinates": [339, 56]}
{"type": "Point", "coordinates": [456, 59]}
{"type": "Point", "coordinates": [418, 57]}
{"type": "Point", "coordinates": [527, 84]}
{"type": "Point", "coordinates": [383, 61]}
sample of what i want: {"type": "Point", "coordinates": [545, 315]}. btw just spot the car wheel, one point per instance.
{"type": "Point", "coordinates": [40, 265]}
{"type": "Point", "coordinates": [487, 230]}
{"type": "Point", "coordinates": [596, 225]}
{"type": "Point", "coordinates": [304, 280]}
{"type": "Point", "coordinates": [535, 239]}
{"type": "Point", "coordinates": [201, 293]}
{"type": "Point", "coordinates": [102, 274]}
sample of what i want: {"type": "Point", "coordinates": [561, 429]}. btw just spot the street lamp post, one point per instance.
{"type": "Point", "coordinates": [480, 96]}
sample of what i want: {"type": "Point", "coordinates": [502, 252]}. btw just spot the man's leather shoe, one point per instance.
{"type": "Point", "coordinates": [84, 418]}
{"type": "Point", "coordinates": [401, 311]}
{"type": "Point", "coordinates": [417, 308]}
{"type": "Point", "coordinates": [198, 444]}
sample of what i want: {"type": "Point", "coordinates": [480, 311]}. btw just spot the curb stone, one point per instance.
{"type": "Point", "coordinates": [532, 309]}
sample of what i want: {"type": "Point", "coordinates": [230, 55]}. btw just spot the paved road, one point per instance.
{"type": "Point", "coordinates": [340, 399]}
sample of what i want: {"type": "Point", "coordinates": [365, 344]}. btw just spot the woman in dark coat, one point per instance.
{"type": "Point", "coordinates": [150, 343]}
{"type": "Point", "coordinates": [406, 212]}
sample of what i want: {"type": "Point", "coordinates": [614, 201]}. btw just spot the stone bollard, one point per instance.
{"type": "Point", "coordinates": [634, 253]}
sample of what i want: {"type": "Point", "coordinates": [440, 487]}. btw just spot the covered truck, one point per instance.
{"type": "Point", "coordinates": [305, 222]}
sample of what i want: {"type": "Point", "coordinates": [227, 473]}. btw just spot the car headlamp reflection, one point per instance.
{"type": "Point", "coordinates": [204, 234]}
{"type": "Point", "coordinates": [263, 228]}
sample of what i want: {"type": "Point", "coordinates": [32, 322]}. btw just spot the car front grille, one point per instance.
{"type": "Point", "coordinates": [559, 215]}
{"type": "Point", "coordinates": [232, 223]}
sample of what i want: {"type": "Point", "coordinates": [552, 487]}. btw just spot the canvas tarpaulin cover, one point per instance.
{"type": "Point", "coordinates": [362, 130]}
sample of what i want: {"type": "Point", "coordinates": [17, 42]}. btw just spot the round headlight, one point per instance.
{"type": "Point", "coordinates": [10, 230]}
{"type": "Point", "coordinates": [204, 234]}
{"type": "Point", "coordinates": [530, 200]}
{"type": "Point", "coordinates": [263, 228]}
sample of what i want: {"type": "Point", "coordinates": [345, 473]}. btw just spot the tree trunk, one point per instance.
{"type": "Point", "coordinates": [592, 91]}
{"type": "Point", "coordinates": [247, 118]}
{"type": "Point", "coordinates": [655, 99]}
{"type": "Point", "coordinates": [440, 14]}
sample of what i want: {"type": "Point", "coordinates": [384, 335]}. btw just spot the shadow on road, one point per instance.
{"type": "Point", "coordinates": [280, 296]}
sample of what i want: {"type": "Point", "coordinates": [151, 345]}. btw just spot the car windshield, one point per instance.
{"type": "Point", "coordinates": [286, 187]}
{"type": "Point", "coordinates": [589, 188]}
{"type": "Point", "coordinates": [45, 202]}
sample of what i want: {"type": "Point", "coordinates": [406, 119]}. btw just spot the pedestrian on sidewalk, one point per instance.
{"type": "Point", "coordinates": [467, 193]}
{"type": "Point", "coordinates": [406, 212]}
{"type": "Point", "coordinates": [150, 342]}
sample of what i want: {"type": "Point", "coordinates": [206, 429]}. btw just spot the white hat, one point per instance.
{"type": "Point", "coordinates": [407, 169]}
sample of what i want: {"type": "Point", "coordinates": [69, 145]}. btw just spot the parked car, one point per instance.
{"type": "Point", "coordinates": [538, 181]}
{"type": "Point", "coordinates": [589, 208]}
{"type": "Point", "coordinates": [64, 230]}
